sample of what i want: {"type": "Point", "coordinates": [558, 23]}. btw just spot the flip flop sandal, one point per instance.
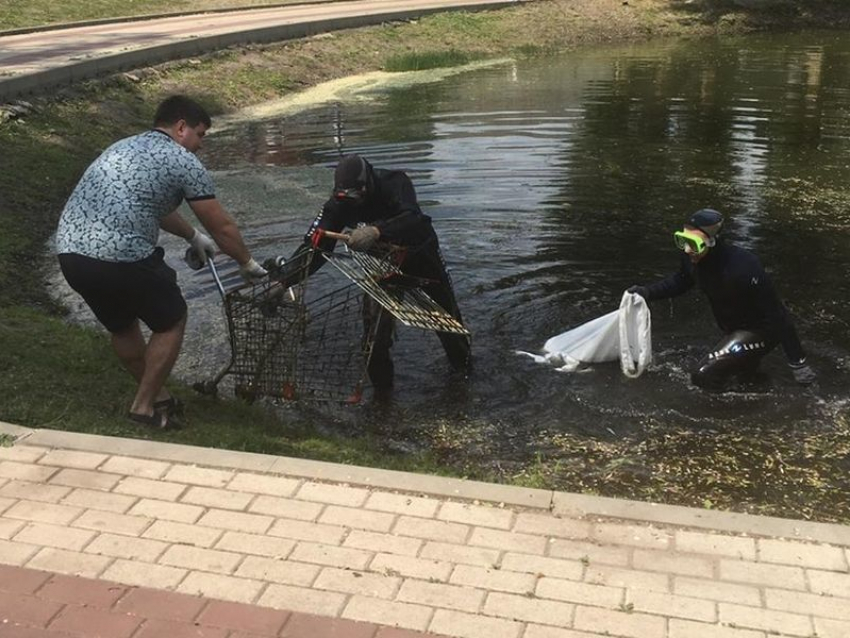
{"type": "Point", "coordinates": [157, 420]}
{"type": "Point", "coordinates": [172, 406]}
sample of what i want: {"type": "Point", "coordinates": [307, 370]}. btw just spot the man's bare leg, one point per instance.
{"type": "Point", "coordinates": [130, 347]}
{"type": "Point", "coordinates": [160, 355]}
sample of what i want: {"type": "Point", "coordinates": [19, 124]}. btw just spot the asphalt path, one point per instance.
{"type": "Point", "coordinates": [31, 62]}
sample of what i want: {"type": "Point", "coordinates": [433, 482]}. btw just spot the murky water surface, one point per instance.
{"type": "Point", "coordinates": [556, 183]}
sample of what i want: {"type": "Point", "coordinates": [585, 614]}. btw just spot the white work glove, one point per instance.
{"type": "Point", "coordinates": [363, 238]}
{"type": "Point", "coordinates": [252, 272]}
{"type": "Point", "coordinates": [203, 246]}
{"type": "Point", "coordinates": [803, 373]}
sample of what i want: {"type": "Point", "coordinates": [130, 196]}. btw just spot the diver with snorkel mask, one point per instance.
{"type": "Point", "coordinates": [743, 300]}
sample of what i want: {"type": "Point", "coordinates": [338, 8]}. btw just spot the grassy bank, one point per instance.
{"type": "Point", "coordinates": [60, 376]}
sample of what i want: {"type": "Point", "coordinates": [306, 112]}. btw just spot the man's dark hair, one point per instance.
{"type": "Point", "coordinates": [179, 107]}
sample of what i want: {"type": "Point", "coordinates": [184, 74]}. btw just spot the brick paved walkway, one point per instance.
{"type": "Point", "coordinates": [296, 539]}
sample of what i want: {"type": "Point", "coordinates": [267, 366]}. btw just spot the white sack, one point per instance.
{"type": "Point", "coordinates": [625, 334]}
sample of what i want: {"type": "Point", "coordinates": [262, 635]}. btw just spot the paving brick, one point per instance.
{"type": "Point", "coordinates": [585, 593]}
{"type": "Point", "coordinates": [395, 565]}
{"type": "Point", "coordinates": [463, 625]}
{"type": "Point", "coordinates": [395, 632]}
{"type": "Point", "coordinates": [54, 536]}
{"type": "Point", "coordinates": [716, 544]}
{"type": "Point", "coordinates": [801, 603]}
{"type": "Point", "coordinates": [385, 612]}
{"type": "Point", "coordinates": [22, 453]}
{"type": "Point", "coordinates": [802, 554]}
{"type": "Point", "coordinates": [480, 556]}
{"type": "Point", "coordinates": [357, 582]}
{"type": "Point", "coordinates": [592, 553]}
{"type": "Point", "coordinates": [34, 491]}
{"type": "Point", "coordinates": [208, 560]}
{"type": "Point", "coordinates": [310, 626]}
{"type": "Point", "coordinates": [183, 533]}
{"type": "Point", "coordinates": [8, 528]}
{"type": "Point", "coordinates": [66, 562]}
{"type": "Point", "coordinates": [403, 504]}
{"type": "Point", "coordinates": [432, 530]}
{"type": "Point", "coordinates": [142, 549]}
{"type": "Point", "coordinates": [375, 542]}
{"type": "Point", "coordinates": [556, 567]}
{"type": "Point", "coordinates": [761, 574]}
{"type": "Point", "coordinates": [767, 620]}
{"type": "Point", "coordinates": [144, 574]}
{"type": "Point", "coordinates": [97, 500]}
{"type": "Point", "coordinates": [12, 553]}
{"type": "Point", "coordinates": [43, 512]}
{"type": "Point", "coordinates": [305, 531]}
{"type": "Point", "coordinates": [542, 631]}
{"type": "Point", "coordinates": [441, 595]}
{"type": "Point", "coordinates": [93, 622]}
{"type": "Point", "coordinates": [26, 609]}
{"type": "Point", "coordinates": [236, 521]}
{"type": "Point", "coordinates": [278, 548]}
{"type": "Point", "coordinates": [507, 541]}
{"type": "Point", "coordinates": [213, 497]}
{"type": "Point", "coordinates": [278, 571]}
{"type": "Point", "coordinates": [73, 459]}
{"type": "Point", "coordinates": [551, 525]}
{"type": "Point", "coordinates": [23, 631]}
{"type": "Point", "coordinates": [249, 618]}
{"type": "Point", "coordinates": [113, 523]}
{"type": "Point", "coordinates": [331, 555]}
{"type": "Point", "coordinates": [357, 518]}
{"type": "Point", "coordinates": [671, 605]}
{"type": "Point", "coordinates": [309, 601]}
{"type": "Point", "coordinates": [493, 579]}
{"type": "Point", "coordinates": [644, 536]}
{"type": "Point", "coordinates": [172, 629]}
{"type": "Point", "coordinates": [26, 471]}
{"type": "Point", "coordinates": [673, 563]}
{"type": "Point", "coordinates": [829, 583]}
{"type": "Point", "coordinates": [160, 605]}
{"type": "Point", "coordinates": [194, 475]}
{"type": "Point", "coordinates": [6, 503]}
{"type": "Point", "coordinates": [264, 484]}
{"type": "Point", "coordinates": [618, 623]}
{"type": "Point", "coordinates": [86, 479]}
{"type": "Point", "coordinates": [689, 629]}
{"type": "Point", "coordinates": [166, 510]}
{"type": "Point", "coordinates": [129, 466]}
{"type": "Point", "coordinates": [332, 494]}
{"type": "Point", "coordinates": [529, 609]}
{"type": "Point", "coordinates": [479, 515]}
{"type": "Point", "coordinates": [240, 590]}
{"type": "Point", "coordinates": [831, 628]}
{"type": "Point", "coordinates": [147, 488]}
{"type": "Point", "coordinates": [714, 590]}
{"type": "Point", "coordinates": [81, 591]}
{"type": "Point", "coordinates": [628, 578]}
{"type": "Point", "coordinates": [17, 580]}
{"type": "Point", "coordinates": [286, 508]}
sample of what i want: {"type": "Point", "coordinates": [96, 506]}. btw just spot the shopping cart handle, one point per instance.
{"type": "Point", "coordinates": [214, 272]}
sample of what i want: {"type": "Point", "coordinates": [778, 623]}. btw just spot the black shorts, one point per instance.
{"type": "Point", "coordinates": [121, 292]}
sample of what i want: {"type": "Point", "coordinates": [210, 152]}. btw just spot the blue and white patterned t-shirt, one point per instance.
{"type": "Point", "coordinates": [114, 212]}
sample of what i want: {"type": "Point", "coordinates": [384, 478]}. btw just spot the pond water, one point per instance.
{"type": "Point", "coordinates": [554, 184]}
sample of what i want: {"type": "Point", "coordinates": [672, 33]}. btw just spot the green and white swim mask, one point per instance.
{"type": "Point", "coordinates": [690, 242]}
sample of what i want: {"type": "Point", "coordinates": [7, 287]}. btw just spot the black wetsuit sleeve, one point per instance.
{"type": "Point", "coordinates": [673, 285]}
{"type": "Point", "coordinates": [304, 262]}
{"type": "Point", "coordinates": [408, 226]}
{"type": "Point", "coordinates": [777, 319]}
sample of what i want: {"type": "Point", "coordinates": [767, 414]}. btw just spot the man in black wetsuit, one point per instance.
{"type": "Point", "coordinates": [743, 300]}
{"type": "Point", "coordinates": [380, 205]}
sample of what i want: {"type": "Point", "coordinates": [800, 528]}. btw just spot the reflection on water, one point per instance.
{"type": "Point", "coordinates": [556, 183]}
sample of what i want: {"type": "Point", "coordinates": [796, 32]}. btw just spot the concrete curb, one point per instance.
{"type": "Point", "coordinates": [561, 503]}
{"type": "Point", "coordinates": [20, 85]}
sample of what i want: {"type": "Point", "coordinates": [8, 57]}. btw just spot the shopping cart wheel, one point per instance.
{"type": "Point", "coordinates": [208, 388]}
{"type": "Point", "coordinates": [245, 391]}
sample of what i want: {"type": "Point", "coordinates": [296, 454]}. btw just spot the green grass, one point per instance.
{"type": "Point", "coordinates": [420, 61]}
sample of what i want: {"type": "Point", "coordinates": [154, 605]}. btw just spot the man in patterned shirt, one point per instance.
{"type": "Point", "coordinates": [107, 245]}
